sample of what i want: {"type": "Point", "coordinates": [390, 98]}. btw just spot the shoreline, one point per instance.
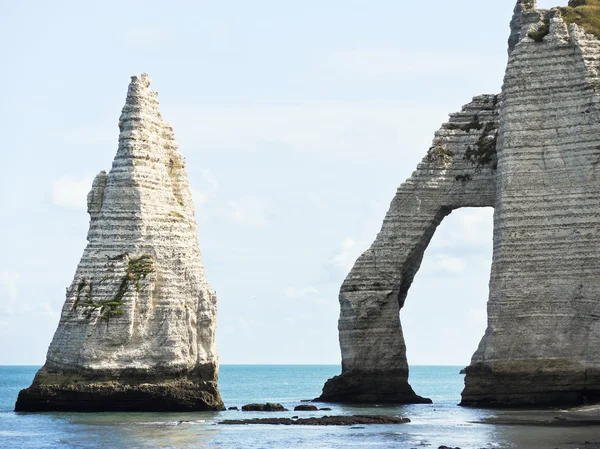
{"type": "Point", "coordinates": [588, 415]}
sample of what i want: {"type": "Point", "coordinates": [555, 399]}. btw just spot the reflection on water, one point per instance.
{"type": "Point", "coordinates": [441, 423]}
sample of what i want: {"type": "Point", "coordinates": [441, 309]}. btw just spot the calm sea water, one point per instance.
{"type": "Point", "coordinates": [432, 425]}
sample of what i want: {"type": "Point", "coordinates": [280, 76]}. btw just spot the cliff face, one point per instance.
{"type": "Point", "coordinates": [137, 330]}
{"type": "Point", "coordinates": [540, 173]}
{"type": "Point", "coordinates": [542, 341]}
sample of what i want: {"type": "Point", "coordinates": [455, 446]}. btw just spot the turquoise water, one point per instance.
{"type": "Point", "coordinates": [432, 425]}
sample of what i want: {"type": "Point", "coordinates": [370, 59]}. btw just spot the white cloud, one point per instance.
{"type": "Point", "coordinates": [206, 186]}
{"type": "Point", "coordinates": [219, 36]}
{"type": "Point", "coordinates": [237, 324]}
{"type": "Point", "coordinates": [9, 292]}
{"type": "Point", "coordinates": [308, 294]}
{"type": "Point", "coordinates": [292, 292]}
{"type": "Point", "coordinates": [346, 256]}
{"type": "Point", "coordinates": [338, 129]}
{"type": "Point", "coordinates": [547, 4]}
{"type": "Point", "coordinates": [248, 210]}
{"type": "Point", "coordinates": [12, 302]}
{"type": "Point", "coordinates": [243, 323]}
{"type": "Point", "coordinates": [444, 264]}
{"type": "Point", "coordinates": [71, 193]}
{"type": "Point", "coordinates": [465, 228]}
{"type": "Point", "coordinates": [374, 64]}
{"type": "Point", "coordinates": [4, 329]}
{"type": "Point", "coordinates": [478, 315]}
{"type": "Point", "coordinates": [99, 135]}
{"type": "Point", "coordinates": [149, 37]}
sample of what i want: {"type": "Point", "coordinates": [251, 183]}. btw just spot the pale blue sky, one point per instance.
{"type": "Point", "coordinates": [298, 121]}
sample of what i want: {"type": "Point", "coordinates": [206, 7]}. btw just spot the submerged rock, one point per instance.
{"type": "Point", "coordinates": [532, 154]}
{"type": "Point", "coordinates": [323, 420]}
{"type": "Point", "coordinates": [137, 330]}
{"type": "Point", "coordinates": [268, 407]}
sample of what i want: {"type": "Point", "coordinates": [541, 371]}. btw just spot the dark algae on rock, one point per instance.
{"type": "Point", "coordinates": [350, 420]}
{"type": "Point", "coordinates": [268, 407]}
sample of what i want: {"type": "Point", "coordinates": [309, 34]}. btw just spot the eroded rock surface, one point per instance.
{"type": "Point", "coordinates": [532, 153]}
{"type": "Point", "coordinates": [137, 330]}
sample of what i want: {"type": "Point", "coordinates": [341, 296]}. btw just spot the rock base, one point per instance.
{"type": "Point", "coordinates": [487, 387]}
{"type": "Point", "coordinates": [369, 388]}
{"type": "Point", "coordinates": [68, 393]}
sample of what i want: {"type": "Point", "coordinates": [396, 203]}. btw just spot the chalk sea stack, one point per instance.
{"type": "Point", "coordinates": [533, 153]}
{"type": "Point", "coordinates": [137, 330]}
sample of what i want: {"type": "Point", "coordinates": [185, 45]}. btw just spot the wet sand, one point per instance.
{"type": "Point", "coordinates": [548, 429]}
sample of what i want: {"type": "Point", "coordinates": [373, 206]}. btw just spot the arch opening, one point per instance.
{"type": "Point", "coordinates": [444, 316]}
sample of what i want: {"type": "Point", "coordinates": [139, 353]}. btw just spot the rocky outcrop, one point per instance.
{"type": "Point", "coordinates": [268, 407]}
{"type": "Point", "coordinates": [137, 330]}
{"type": "Point", "coordinates": [532, 153]}
{"type": "Point", "coordinates": [348, 420]}
{"type": "Point", "coordinates": [306, 408]}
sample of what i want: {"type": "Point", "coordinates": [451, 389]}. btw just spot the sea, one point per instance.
{"type": "Point", "coordinates": [431, 426]}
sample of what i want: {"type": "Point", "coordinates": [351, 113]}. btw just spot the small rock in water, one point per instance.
{"type": "Point", "coordinates": [268, 407]}
{"type": "Point", "coordinates": [233, 408]}
{"type": "Point", "coordinates": [325, 409]}
{"type": "Point", "coordinates": [448, 447]}
{"type": "Point", "coordinates": [306, 408]}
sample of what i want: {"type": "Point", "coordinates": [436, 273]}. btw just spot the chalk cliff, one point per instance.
{"type": "Point", "coordinates": [532, 153]}
{"type": "Point", "coordinates": [137, 330]}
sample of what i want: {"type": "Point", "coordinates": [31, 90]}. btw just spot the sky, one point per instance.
{"type": "Point", "coordinates": [298, 121]}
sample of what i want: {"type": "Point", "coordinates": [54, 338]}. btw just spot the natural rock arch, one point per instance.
{"type": "Point", "coordinates": [458, 171]}
{"type": "Point", "coordinates": [532, 154]}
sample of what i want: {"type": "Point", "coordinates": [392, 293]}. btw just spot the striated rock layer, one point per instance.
{"type": "Point", "coordinates": [542, 344]}
{"type": "Point", "coordinates": [532, 153]}
{"type": "Point", "coordinates": [137, 330]}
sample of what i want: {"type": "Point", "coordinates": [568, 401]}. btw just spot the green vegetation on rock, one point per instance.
{"type": "Point", "coordinates": [137, 269]}
{"type": "Point", "coordinates": [542, 31]}
{"type": "Point", "coordinates": [483, 153]}
{"type": "Point", "coordinates": [107, 308]}
{"type": "Point", "coordinates": [438, 153]}
{"type": "Point", "coordinates": [177, 215]}
{"type": "Point", "coordinates": [585, 13]}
